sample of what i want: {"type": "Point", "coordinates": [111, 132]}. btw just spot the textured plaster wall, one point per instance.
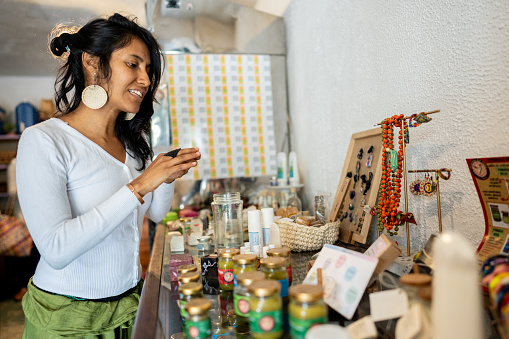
{"type": "Point", "coordinates": [353, 63]}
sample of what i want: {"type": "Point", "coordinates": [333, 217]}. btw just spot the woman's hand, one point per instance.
{"type": "Point", "coordinates": [166, 169]}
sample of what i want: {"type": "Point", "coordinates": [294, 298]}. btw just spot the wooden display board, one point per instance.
{"type": "Point", "coordinates": [355, 227]}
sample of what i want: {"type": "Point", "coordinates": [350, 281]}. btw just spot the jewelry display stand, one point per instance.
{"type": "Point", "coordinates": [404, 124]}
{"type": "Point", "coordinates": [438, 175]}
{"type": "Point", "coordinates": [354, 178]}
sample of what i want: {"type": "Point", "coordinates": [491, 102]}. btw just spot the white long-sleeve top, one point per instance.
{"type": "Point", "coordinates": [83, 219]}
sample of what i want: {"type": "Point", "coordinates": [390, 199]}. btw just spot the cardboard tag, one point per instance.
{"type": "Point", "coordinates": [363, 328]}
{"type": "Point", "coordinates": [387, 305]}
{"type": "Point", "coordinates": [414, 324]}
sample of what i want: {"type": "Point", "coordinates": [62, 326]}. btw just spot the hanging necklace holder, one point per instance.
{"type": "Point", "coordinates": [414, 120]}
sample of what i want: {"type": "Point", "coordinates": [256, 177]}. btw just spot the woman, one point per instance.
{"type": "Point", "coordinates": [86, 181]}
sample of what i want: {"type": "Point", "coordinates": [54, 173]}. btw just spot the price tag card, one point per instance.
{"type": "Point", "coordinates": [363, 328]}
{"type": "Point", "coordinates": [387, 305]}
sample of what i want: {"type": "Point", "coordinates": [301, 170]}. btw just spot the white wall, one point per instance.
{"type": "Point", "coordinates": [17, 89]}
{"type": "Point", "coordinates": [353, 63]}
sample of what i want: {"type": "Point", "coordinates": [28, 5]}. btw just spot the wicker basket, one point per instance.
{"type": "Point", "coordinates": [301, 238]}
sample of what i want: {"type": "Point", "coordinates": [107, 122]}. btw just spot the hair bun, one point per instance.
{"type": "Point", "coordinates": [60, 43]}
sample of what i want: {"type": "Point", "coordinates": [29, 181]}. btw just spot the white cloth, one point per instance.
{"type": "Point", "coordinates": [84, 221]}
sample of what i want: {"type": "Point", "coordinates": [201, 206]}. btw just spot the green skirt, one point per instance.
{"type": "Point", "coordinates": [49, 316]}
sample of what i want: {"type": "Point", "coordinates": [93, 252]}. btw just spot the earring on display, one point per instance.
{"type": "Point", "coordinates": [369, 158]}
{"type": "Point", "coordinates": [94, 96]}
{"type": "Point", "coordinates": [427, 186]}
{"type": "Point", "coordinates": [415, 186]}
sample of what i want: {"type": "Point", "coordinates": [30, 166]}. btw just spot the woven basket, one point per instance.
{"type": "Point", "coordinates": [301, 238]}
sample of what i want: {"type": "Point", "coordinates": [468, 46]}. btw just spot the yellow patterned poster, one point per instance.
{"type": "Point", "coordinates": [223, 105]}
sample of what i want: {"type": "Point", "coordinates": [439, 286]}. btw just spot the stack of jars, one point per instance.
{"type": "Point", "coordinates": [256, 303]}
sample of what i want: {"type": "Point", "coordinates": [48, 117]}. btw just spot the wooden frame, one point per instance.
{"type": "Point", "coordinates": [358, 232]}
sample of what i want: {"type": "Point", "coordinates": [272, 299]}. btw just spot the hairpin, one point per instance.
{"type": "Point", "coordinates": [67, 49]}
{"type": "Point", "coordinates": [369, 158]}
{"type": "Point", "coordinates": [360, 154]}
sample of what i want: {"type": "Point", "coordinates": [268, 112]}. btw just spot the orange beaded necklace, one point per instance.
{"type": "Point", "coordinates": [392, 172]}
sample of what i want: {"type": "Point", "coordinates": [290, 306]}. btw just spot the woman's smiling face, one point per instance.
{"type": "Point", "coordinates": [129, 81]}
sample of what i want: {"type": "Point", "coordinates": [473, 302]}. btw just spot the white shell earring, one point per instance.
{"type": "Point", "coordinates": [94, 96]}
{"type": "Point", "coordinates": [129, 116]}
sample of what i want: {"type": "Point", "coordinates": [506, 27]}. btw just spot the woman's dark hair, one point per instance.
{"type": "Point", "coordinates": [100, 38]}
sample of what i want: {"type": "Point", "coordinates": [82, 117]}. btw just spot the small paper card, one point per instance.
{"type": "Point", "coordinates": [387, 305]}
{"type": "Point", "coordinates": [363, 328]}
{"type": "Point", "coordinates": [345, 277]}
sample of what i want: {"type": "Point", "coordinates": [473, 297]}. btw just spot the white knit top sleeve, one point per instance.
{"type": "Point", "coordinates": [83, 219]}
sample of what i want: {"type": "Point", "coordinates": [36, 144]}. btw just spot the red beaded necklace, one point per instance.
{"type": "Point", "coordinates": [392, 172]}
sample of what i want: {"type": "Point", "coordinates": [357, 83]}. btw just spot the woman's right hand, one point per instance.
{"type": "Point", "coordinates": [166, 169]}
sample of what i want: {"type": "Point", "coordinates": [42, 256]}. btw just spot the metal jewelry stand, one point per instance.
{"type": "Point", "coordinates": [403, 123]}
{"type": "Point", "coordinates": [438, 174]}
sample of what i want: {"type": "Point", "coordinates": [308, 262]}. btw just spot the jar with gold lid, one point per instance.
{"type": "Point", "coordinates": [198, 318]}
{"type": "Point", "coordinates": [283, 252]}
{"type": "Point", "coordinates": [244, 263]}
{"type": "Point", "coordinates": [275, 269]}
{"type": "Point", "coordinates": [225, 267]}
{"type": "Point", "coordinates": [266, 314]}
{"type": "Point", "coordinates": [241, 291]}
{"type": "Point", "coordinates": [187, 268]}
{"type": "Point", "coordinates": [188, 292]}
{"type": "Point", "coordinates": [306, 309]}
{"type": "Point", "coordinates": [188, 277]}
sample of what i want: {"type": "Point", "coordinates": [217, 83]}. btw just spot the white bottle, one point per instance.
{"type": "Point", "coordinates": [268, 220]}
{"type": "Point", "coordinates": [457, 301]}
{"type": "Point", "coordinates": [282, 169]}
{"type": "Point", "coordinates": [254, 224]}
{"type": "Point", "coordinates": [294, 169]}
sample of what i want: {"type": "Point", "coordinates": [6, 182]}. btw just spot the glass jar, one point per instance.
{"type": "Point", "coordinates": [275, 269]}
{"type": "Point", "coordinates": [244, 263]}
{"type": "Point", "coordinates": [204, 243]}
{"type": "Point", "coordinates": [226, 302]}
{"type": "Point", "coordinates": [266, 315]}
{"type": "Point", "coordinates": [227, 212]}
{"type": "Point", "coordinates": [189, 292]}
{"type": "Point", "coordinates": [187, 268]}
{"type": "Point", "coordinates": [283, 252]}
{"type": "Point", "coordinates": [198, 318]}
{"type": "Point", "coordinates": [189, 277]}
{"type": "Point", "coordinates": [306, 309]}
{"type": "Point", "coordinates": [241, 291]}
{"type": "Point", "coordinates": [411, 283]}
{"type": "Point", "coordinates": [225, 267]}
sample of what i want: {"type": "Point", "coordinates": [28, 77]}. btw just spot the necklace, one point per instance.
{"type": "Point", "coordinates": [392, 172]}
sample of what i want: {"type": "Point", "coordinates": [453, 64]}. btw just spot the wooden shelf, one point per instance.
{"type": "Point", "coordinates": [9, 137]}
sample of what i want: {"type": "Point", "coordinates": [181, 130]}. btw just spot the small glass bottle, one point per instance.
{"type": "Point", "coordinates": [275, 269]}
{"type": "Point", "coordinates": [244, 263]}
{"type": "Point", "coordinates": [198, 318]}
{"type": "Point", "coordinates": [294, 201]}
{"type": "Point", "coordinates": [189, 292]}
{"type": "Point", "coordinates": [241, 291]}
{"type": "Point", "coordinates": [283, 252]}
{"type": "Point", "coordinates": [266, 315]}
{"type": "Point", "coordinates": [225, 267]}
{"type": "Point", "coordinates": [189, 277]}
{"type": "Point", "coordinates": [283, 200]}
{"type": "Point", "coordinates": [185, 228]}
{"type": "Point", "coordinates": [306, 309]}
